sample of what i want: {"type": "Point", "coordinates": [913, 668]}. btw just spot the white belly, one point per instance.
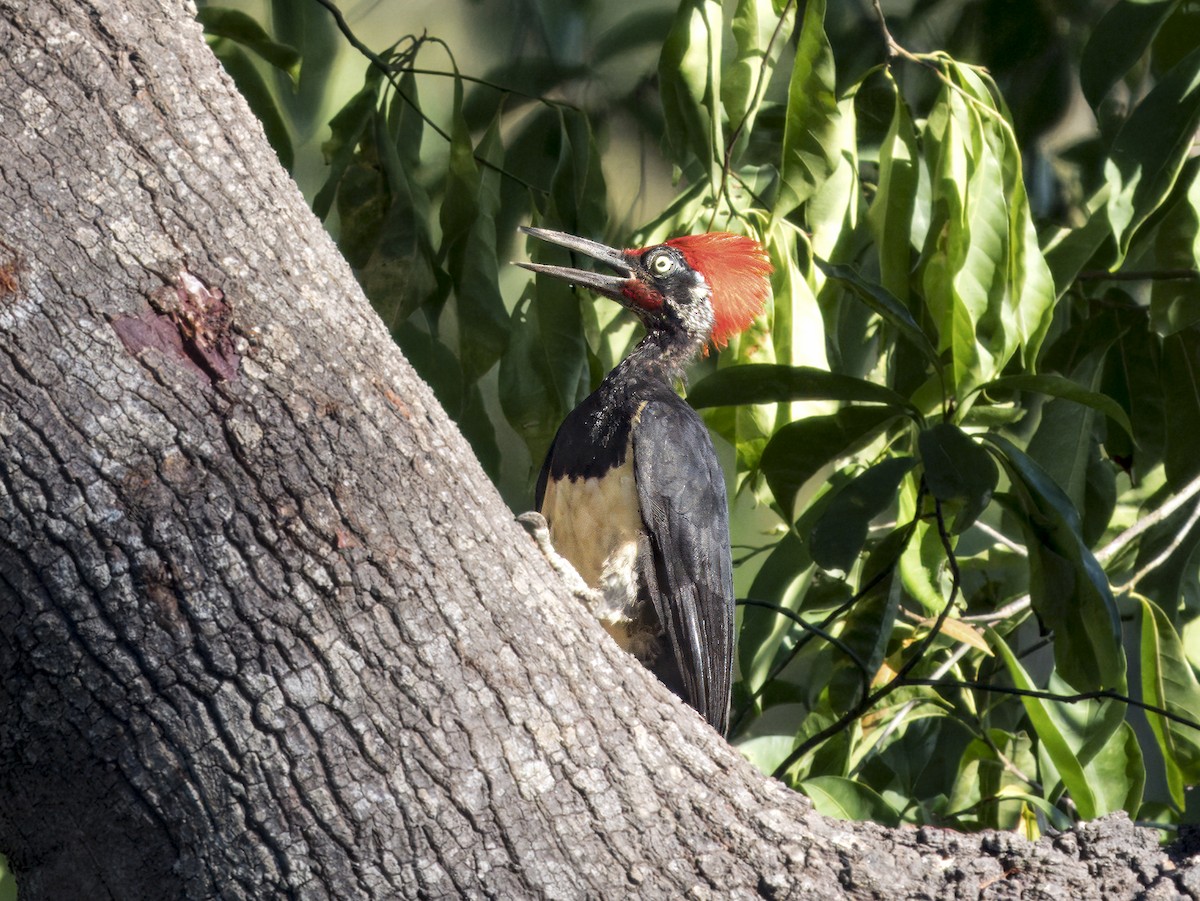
{"type": "Point", "coordinates": [595, 524]}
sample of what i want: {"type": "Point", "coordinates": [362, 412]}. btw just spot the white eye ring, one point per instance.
{"type": "Point", "coordinates": [662, 265]}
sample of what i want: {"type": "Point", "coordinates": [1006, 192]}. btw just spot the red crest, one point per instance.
{"type": "Point", "coordinates": [738, 273]}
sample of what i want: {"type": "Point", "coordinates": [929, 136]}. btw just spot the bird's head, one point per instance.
{"type": "Point", "coordinates": [693, 289]}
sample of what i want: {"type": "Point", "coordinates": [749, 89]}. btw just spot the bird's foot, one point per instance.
{"type": "Point", "coordinates": [537, 527]}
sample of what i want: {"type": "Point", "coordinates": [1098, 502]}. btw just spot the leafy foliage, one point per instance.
{"type": "Point", "coordinates": [962, 435]}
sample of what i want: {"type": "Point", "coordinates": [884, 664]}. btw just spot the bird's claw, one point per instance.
{"type": "Point", "coordinates": [537, 527]}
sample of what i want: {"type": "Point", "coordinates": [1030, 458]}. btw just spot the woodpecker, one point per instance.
{"type": "Point", "coordinates": [631, 494]}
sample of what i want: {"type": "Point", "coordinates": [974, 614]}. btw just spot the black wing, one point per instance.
{"type": "Point", "coordinates": [681, 490]}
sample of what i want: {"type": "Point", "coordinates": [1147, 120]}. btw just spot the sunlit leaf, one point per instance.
{"type": "Point", "coordinates": [891, 212]}
{"type": "Point", "coordinates": [760, 37]}
{"type": "Point", "coordinates": [846, 799]}
{"type": "Point", "coordinates": [689, 81]}
{"type": "Point", "coordinates": [810, 146]}
{"type": "Point", "coordinates": [1049, 732]}
{"type": "Point", "coordinates": [1169, 682]}
{"type": "Point", "coordinates": [1149, 151]}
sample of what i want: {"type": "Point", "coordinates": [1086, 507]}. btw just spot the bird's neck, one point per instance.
{"type": "Point", "coordinates": [661, 355]}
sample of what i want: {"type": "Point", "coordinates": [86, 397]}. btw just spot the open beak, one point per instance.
{"type": "Point", "coordinates": [609, 285]}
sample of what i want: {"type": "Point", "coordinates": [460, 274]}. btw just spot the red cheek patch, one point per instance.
{"type": "Point", "coordinates": [642, 295]}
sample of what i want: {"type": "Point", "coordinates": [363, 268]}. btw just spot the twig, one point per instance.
{"type": "Point", "coordinates": [1180, 537]}
{"type": "Point", "coordinates": [1138, 275]}
{"type": "Point", "coordinates": [1000, 538]}
{"type": "Point", "coordinates": [389, 72]}
{"type": "Point", "coordinates": [1110, 550]}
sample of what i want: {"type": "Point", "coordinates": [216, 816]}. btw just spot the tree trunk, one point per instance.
{"type": "Point", "coordinates": [266, 630]}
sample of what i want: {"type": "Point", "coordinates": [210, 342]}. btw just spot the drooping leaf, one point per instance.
{"type": "Point", "coordinates": [258, 97]}
{"type": "Point", "coordinates": [469, 244]}
{"type": "Point", "coordinates": [810, 145]}
{"type": "Point", "coordinates": [885, 304]}
{"type": "Point", "coordinates": [1175, 303]}
{"type": "Point", "coordinates": [766, 383]}
{"type": "Point", "coordinates": [839, 535]}
{"type": "Point", "coordinates": [1067, 389]}
{"type": "Point", "coordinates": [346, 130]}
{"type": "Point", "coordinates": [1117, 42]}
{"type": "Point", "coordinates": [846, 799]}
{"type": "Point", "coordinates": [313, 32]}
{"type": "Point", "coordinates": [1150, 150]}
{"type": "Point", "coordinates": [1181, 391]}
{"type": "Point", "coordinates": [1169, 682]}
{"type": "Point", "coordinates": [689, 81]}
{"type": "Point", "coordinates": [760, 37]}
{"type": "Point", "coordinates": [1068, 588]}
{"type": "Point", "coordinates": [798, 450]}
{"type": "Point", "coordinates": [957, 470]}
{"type": "Point", "coordinates": [891, 213]}
{"type": "Point", "coordinates": [989, 290]}
{"type": "Point", "coordinates": [243, 29]}
{"type": "Point", "coordinates": [1049, 731]}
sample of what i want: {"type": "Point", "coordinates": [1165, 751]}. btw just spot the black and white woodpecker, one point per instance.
{"type": "Point", "coordinates": [631, 491]}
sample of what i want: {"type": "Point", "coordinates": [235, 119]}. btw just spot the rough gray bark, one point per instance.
{"type": "Point", "coordinates": [265, 628]}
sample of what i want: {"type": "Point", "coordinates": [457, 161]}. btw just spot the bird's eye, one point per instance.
{"type": "Point", "coordinates": [662, 265]}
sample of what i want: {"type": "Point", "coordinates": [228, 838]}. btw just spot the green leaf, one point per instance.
{"type": "Point", "coordinates": [312, 31]}
{"type": "Point", "coordinates": [1049, 732]}
{"type": "Point", "coordinates": [689, 82]}
{"type": "Point", "coordinates": [798, 450]}
{"type": "Point", "coordinates": [988, 288]}
{"type": "Point", "coordinates": [1175, 303]}
{"type": "Point", "coordinates": [468, 223]}
{"type": "Point", "coordinates": [1150, 150]}
{"type": "Point", "coordinates": [760, 37]}
{"type": "Point", "coordinates": [1057, 386]}
{"type": "Point", "coordinates": [1068, 588]}
{"type": "Point", "coordinates": [810, 137]}
{"type": "Point", "coordinates": [839, 535]}
{"type": "Point", "coordinates": [250, 84]}
{"type": "Point", "coordinates": [398, 273]}
{"type": "Point", "coordinates": [957, 470]}
{"type": "Point", "coordinates": [987, 784]}
{"type": "Point", "coordinates": [1169, 682]}
{"type": "Point", "coordinates": [1132, 377]}
{"type": "Point", "coordinates": [1065, 441]}
{"type": "Point", "coordinates": [1069, 250]}
{"type": "Point", "coordinates": [235, 25]}
{"type": "Point", "coordinates": [845, 799]}
{"type": "Point", "coordinates": [883, 302]}
{"type": "Point", "coordinates": [1118, 41]}
{"type": "Point", "coordinates": [768, 383]}
{"type": "Point", "coordinates": [347, 128]}
{"type": "Point", "coordinates": [1181, 391]}
{"type": "Point", "coordinates": [545, 372]}
{"type": "Point", "coordinates": [891, 213]}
